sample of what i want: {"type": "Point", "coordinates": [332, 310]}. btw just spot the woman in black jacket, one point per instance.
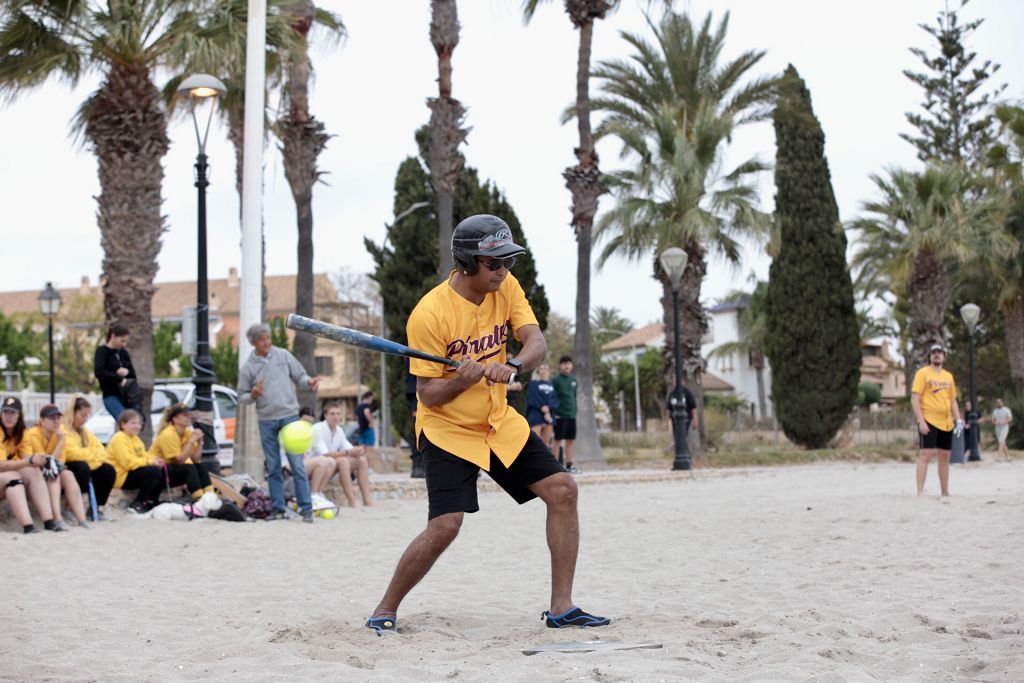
{"type": "Point", "coordinates": [113, 368]}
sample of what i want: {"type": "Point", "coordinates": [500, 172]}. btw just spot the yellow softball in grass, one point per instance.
{"type": "Point", "coordinates": [296, 437]}
{"type": "Point", "coordinates": [327, 514]}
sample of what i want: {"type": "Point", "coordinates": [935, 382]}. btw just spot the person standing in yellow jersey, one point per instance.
{"type": "Point", "coordinates": [933, 397]}
{"type": "Point", "coordinates": [464, 423]}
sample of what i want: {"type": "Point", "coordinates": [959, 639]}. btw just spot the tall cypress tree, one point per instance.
{"type": "Point", "coordinates": [407, 266]}
{"type": "Point", "coordinates": [812, 336]}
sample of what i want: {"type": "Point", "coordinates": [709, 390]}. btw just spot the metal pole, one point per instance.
{"type": "Point", "coordinates": [972, 415]}
{"type": "Point", "coordinates": [682, 453]}
{"type": "Point", "coordinates": [384, 421]}
{"type": "Point", "coordinates": [203, 375]}
{"type": "Point", "coordinates": [636, 392]}
{"type": "Point", "coordinates": [49, 333]}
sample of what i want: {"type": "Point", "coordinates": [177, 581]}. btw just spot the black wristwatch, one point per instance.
{"type": "Point", "coordinates": [515, 365]}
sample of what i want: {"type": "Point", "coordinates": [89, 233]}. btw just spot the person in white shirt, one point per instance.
{"type": "Point", "coordinates": [329, 440]}
{"type": "Point", "coordinates": [1002, 418]}
{"type": "Point", "coordinates": [319, 468]}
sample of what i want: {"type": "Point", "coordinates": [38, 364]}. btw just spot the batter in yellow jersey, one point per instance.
{"type": "Point", "coordinates": [464, 422]}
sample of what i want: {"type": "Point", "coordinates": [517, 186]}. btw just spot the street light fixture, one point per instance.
{"type": "Point", "coordinates": [970, 314]}
{"type": "Point", "coordinates": [202, 91]}
{"type": "Point", "coordinates": [673, 262]}
{"type": "Point", "coordinates": [385, 405]}
{"type": "Point", "coordinates": [49, 305]}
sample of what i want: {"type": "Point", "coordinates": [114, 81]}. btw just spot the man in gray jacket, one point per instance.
{"type": "Point", "coordinates": [269, 377]}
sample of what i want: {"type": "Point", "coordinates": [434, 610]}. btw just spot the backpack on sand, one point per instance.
{"type": "Point", "coordinates": [258, 504]}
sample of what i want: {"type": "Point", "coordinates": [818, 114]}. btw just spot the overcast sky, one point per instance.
{"type": "Point", "coordinates": [515, 80]}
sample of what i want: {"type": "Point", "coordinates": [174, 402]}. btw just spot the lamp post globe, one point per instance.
{"type": "Point", "coordinates": [202, 91]}
{"type": "Point", "coordinates": [673, 262]}
{"type": "Point", "coordinates": [970, 313]}
{"type": "Point", "coordinates": [49, 306]}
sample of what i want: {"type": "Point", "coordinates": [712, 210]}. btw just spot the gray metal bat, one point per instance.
{"type": "Point", "coordinates": [346, 335]}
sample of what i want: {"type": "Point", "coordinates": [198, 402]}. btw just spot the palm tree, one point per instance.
{"type": "Point", "coordinates": [586, 186]}
{"type": "Point", "coordinates": [446, 132]}
{"type": "Point", "coordinates": [922, 225]}
{"type": "Point", "coordinates": [1007, 162]}
{"type": "Point", "coordinates": [123, 121]}
{"type": "Point", "coordinates": [753, 325]}
{"type": "Point", "coordinates": [674, 107]}
{"type": "Point", "coordinates": [302, 140]}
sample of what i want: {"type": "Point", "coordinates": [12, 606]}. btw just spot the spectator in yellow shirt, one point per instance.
{"type": "Point", "coordinates": [16, 459]}
{"type": "Point", "coordinates": [181, 448]}
{"type": "Point", "coordinates": [47, 438]}
{"type": "Point", "coordinates": [137, 469]}
{"type": "Point", "coordinates": [86, 457]}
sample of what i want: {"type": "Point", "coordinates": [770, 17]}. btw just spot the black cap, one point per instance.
{"type": "Point", "coordinates": [484, 235]}
{"type": "Point", "coordinates": [49, 410]}
{"type": "Point", "coordinates": [12, 402]}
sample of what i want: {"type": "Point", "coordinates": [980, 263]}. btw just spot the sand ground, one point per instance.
{"type": "Point", "coordinates": [830, 572]}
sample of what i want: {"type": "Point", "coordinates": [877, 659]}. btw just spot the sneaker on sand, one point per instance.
{"type": "Point", "coordinates": [574, 617]}
{"type": "Point", "coordinates": [382, 625]}
{"type": "Point", "coordinates": [571, 469]}
{"type": "Point", "coordinates": [307, 516]}
{"type": "Point", "coordinates": [60, 526]}
{"type": "Point", "coordinates": [84, 524]}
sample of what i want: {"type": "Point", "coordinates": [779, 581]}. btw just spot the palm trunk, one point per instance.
{"type": "Point", "coordinates": [446, 132]}
{"type": "Point", "coordinates": [762, 403]}
{"type": "Point", "coordinates": [929, 291]}
{"type": "Point", "coordinates": [127, 128]}
{"type": "Point", "coordinates": [584, 183]}
{"type": "Point", "coordinates": [302, 140]}
{"type": "Point", "coordinates": [1014, 335]}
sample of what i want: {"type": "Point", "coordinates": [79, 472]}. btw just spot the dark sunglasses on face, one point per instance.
{"type": "Point", "coordinates": [497, 263]}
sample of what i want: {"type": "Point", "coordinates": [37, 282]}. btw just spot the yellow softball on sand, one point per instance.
{"type": "Point", "coordinates": [296, 437]}
{"type": "Point", "coordinates": [327, 514]}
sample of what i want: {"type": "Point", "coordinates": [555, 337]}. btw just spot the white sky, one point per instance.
{"type": "Point", "coordinates": [515, 81]}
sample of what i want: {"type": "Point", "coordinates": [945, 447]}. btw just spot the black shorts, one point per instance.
{"type": "Point", "coordinates": [565, 428]}
{"type": "Point", "coordinates": [451, 481]}
{"type": "Point", "coordinates": [936, 438]}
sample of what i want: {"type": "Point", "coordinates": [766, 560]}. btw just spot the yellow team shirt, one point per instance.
{"type": "Point", "coordinates": [937, 391]}
{"type": "Point", "coordinates": [84, 447]}
{"type": "Point", "coordinates": [168, 445]}
{"type": "Point", "coordinates": [127, 453]}
{"type": "Point", "coordinates": [38, 443]}
{"type": "Point", "coordinates": [479, 420]}
{"type": "Point", "coordinates": [16, 450]}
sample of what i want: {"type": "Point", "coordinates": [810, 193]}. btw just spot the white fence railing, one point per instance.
{"type": "Point", "coordinates": [33, 401]}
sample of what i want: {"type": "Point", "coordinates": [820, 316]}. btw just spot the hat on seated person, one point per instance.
{"type": "Point", "coordinates": [12, 403]}
{"type": "Point", "coordinates": [49, 410]}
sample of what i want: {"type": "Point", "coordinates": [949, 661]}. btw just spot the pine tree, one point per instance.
{"type": "Point", "coordinates": [407, 265]}
{"type": "Point", "coordinates": [812, 336]}
{"type": "Point", "coordinates": [957, 124]}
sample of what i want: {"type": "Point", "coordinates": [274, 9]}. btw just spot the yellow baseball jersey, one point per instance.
{"type": "Point", "coordinates": [84, 447]}
{"type": "Point", "coordinates": [15, 450]}
{"type": "Point", "coordinates": [937, 390]}
{"type": "Point", "coordinates": [127, 453]}
{"type": "Point", "coordinates": [168, 445]}
{"type": "Point", "coordinates": [479, 420]}
{"type": "Point", "coordinates": [39, 444]}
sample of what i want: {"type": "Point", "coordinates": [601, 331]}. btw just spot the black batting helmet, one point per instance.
{"type": "Point", "coordinates": [481, 235]}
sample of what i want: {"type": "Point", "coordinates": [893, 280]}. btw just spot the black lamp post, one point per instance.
{"type": "Point", "coordinates": [970, 314]}
{"type": "Point", "coordinates": [673, 262]}
{"type": "Point", "coordinates": [202, 91]}
{"type": "Point", "coordinates": [49, 305]}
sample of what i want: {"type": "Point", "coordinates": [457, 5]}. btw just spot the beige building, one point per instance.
{"type": "Point", "coordinates": [335, 363]}
{"type": "Point", "coordinates": [877, 366]}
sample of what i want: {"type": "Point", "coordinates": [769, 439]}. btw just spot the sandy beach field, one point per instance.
{"type": "Point", "coordinates": [825, 572]}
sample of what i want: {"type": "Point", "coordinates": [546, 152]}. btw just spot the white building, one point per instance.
{"type": "Point", "coordinates": [734, 368]}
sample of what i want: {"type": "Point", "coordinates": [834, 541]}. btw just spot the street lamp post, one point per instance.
{"type": "Point", "coordinates": [673, 262]}
{"type": "Point", "coordinates": [49, 305]}
{"type": "Point", "coordinates": [385, 404]}
{"type": "Point", "coordinates": [202, 91]}
{"type": "Point", "coordinates": [970, 314]}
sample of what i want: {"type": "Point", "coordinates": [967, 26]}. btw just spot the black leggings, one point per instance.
{"type": "Point", "coordinates": [194, 476]}
{"type": "Point", "coordinates": [102, 479]}
{"type": "Point", "coordinates": [149, 480]}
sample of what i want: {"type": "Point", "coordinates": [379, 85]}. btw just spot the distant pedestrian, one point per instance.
{"type": "Point", "coordinates": [541, 402]}
{"type": "Point", "coordinates": [565, 415]}
{"type": "Point", "coordinates": [268, 379]}
{"type": "Point", "coordinates": [933, 398]}
{"type": "Point", "coordinates": [1002, 418]}
{"type": "Point", "coordinates": [114, 370]}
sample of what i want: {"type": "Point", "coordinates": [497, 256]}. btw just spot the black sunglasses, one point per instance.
{"type": "Point", "coordinates": [497, 263]}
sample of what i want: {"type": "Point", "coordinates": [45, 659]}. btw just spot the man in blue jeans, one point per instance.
{"type": "Point", "coordinates": [268, 378]}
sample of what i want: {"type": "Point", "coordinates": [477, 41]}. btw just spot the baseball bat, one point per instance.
{"type": "Point", "coordinates": [345, 335]}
